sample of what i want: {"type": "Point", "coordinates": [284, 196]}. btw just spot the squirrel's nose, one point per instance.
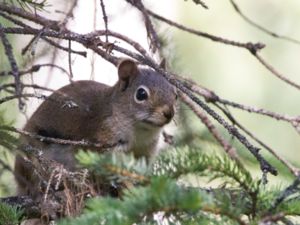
{"type": "Point", "coordinates": [168, 113]}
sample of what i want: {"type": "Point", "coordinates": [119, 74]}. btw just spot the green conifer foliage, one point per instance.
{"type": "Point", "coordinates": [158, 196]}
{"type": "Point", "coordinates": [9, 215]}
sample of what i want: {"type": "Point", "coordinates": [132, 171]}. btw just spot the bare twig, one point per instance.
{"type": "Point", "coordinates": [124, 38]}
{"type": "Point", "coordinates": [200, 2]}
{"type": "Point", "coordinates": [57, 46]}
{"type": "Point", "coordinates": [81, 143]}
{"type": "Point", "coordinates": [275, 72]}
{"type": "Point", "coordinates": [82, 39]}
{"type": "Point", "coordinates": [70, 61]}
{"type": "Point", "coordinates": [292, 169]}
{"type": "Point", "coordinates": [211, 96]}
{"type": "Point", "coordinates": [34, 17]}
{"type": "Point", "coordinates": [152, 34]}
{"type": "Point", "coordinates": [229, 149]}
{"type": "Point", "coordinates": [13, 64]}
{"type": "Point", "coordinates": [32, 43]}
{"type": "Point", "coordinates": [34, 86]}
{"type": "Point", "coordinates": [265, 30]}
{"type": "Point", "coordinates": [12, 19]}
{"type": "Point", "coordinates": [34, 68]}
{"type": "Point", "coordinates": [70, 14]}
{"type": "Point", "coordinates": [104, 16]}
{"type": "Point", "coordinates": [252, 47]}
{"type": "Point", "coordinates": [293, 188]}
{"type": "Point", "coordinates": [12, 97]}
{"type": "Point", "coordinates": [93, 59]}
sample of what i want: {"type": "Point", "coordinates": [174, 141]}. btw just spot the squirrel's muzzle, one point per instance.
{"type": "Point", "coordinates": [167, 112]}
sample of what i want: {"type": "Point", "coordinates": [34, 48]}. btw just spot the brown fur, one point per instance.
{"type": "Point", "coordinates": [91, 111]}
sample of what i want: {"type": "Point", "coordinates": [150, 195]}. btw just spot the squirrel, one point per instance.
{"type": "Point", "coordinates": [130, 114]}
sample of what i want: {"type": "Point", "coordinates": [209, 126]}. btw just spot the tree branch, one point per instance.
{"type": "Point", "coordinates": [13, 64]}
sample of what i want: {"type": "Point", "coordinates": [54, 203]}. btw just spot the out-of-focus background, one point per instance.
{"type": "Point", "coordinates": [233, 73]}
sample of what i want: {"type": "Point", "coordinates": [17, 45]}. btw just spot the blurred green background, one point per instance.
{"type": "Point", "coordinates": [234, 74]}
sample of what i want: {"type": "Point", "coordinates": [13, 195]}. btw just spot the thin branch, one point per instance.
{"type": "Point", "coordinates": [200, 2]}
{"type": "Point", "coordinates": [13, 64]}
{"type": "Point", "coordinates": [34, 68]}
{"type": "Point", "coordinates": [81, 143]}
{"type": "Point", "coordinates": [93, 58]}
{"type": "Point", "coordinates": [51, 24]}
{"type": "Point", "coordinates": [65, 21]}
{"type": "Point", "coordinates": [259, 27]}
{"type": "Point", "coordinates": [275, 72]}
{"type": "Point", "coordinates": [260, 111]}
{"type": "Point", "coordinates": [229, 149]}
{"type": "Point", "coordinates": [13, 97]}
{"type": "Point", "coordinates": [34, 86]}
{"type": "Point", "coordinates": [13, 20]}
{"type": "Point", "coordinates": [151, 33]}
{"type": "Point", "coordinates": [19, 23]}
{"type": "Point", "coordinates": [211, 96]}
{"type": "Point", "coordinates": [218, 211]}
{"type": "Point", "coordinates": [104, 16]}
{"type": "Point", "coordinates": [124, 38]}
{"type": "Point", "coordinates": [293, 188]}
{"type": "Point", "coordinates": [252, 47]}
{"type": "Point", "coordinates": [70, 14]}
{"type": "Point", "coordinates": [295, 171]}
{"type": "Point", "coordinates": [32, 43]}
{"type": "Point", "coordinates": [70, 62]}
{"type": "Point", "coordinates": [57, 46]}
{"type": "Point", "coordinates": [82, 39]}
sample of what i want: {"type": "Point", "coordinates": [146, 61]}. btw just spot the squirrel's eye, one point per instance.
{"type": "Point", "coordinates": [141, 94]}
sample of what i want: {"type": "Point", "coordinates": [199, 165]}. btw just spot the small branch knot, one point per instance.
{"type": "Point", "coordinates": [212, 98]}
{"type": "Point", "coordinates": [254, 48]}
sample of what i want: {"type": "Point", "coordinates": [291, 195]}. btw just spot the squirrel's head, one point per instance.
{"type": "Point", "coordinates": [150, 96]}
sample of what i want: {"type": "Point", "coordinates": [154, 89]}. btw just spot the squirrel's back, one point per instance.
{"type": "Point", "coordinates": [65, 113]}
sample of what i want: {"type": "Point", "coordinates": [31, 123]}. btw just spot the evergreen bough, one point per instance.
{"type": "Point", "coordinates": [157, 195]}
{"type": "Point", "coordinates": [9, 215]}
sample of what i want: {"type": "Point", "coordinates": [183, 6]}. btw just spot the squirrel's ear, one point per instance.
{"type": "Point", "coordinates": [127, 71]}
